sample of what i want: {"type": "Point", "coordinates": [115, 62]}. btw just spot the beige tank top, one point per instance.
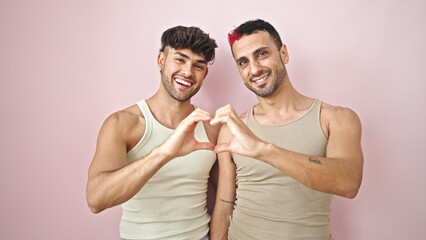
{"type": "Point", "coordinates": [270, 204]}
{"type": "Point", "coordinates": [172, 204]}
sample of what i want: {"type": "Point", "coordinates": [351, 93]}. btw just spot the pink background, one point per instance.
{"type": "Point", "coordinates": [66, 65]}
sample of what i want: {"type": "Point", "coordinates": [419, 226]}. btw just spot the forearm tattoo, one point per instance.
{"type": "Point", "coordinates": [314, 160]}
{"type": "Point", "coordinates": [226, 201]}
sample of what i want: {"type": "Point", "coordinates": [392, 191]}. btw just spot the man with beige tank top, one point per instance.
{"type": "Point", "coordinates": [281, 162]}
{"type": "Point", "coordinates": [146, 156]}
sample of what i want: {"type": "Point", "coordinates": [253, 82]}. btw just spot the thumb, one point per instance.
{"type": "Point", "coordinates": [204, 145]}
{"type": "Point", "coordinates": [223, 147]}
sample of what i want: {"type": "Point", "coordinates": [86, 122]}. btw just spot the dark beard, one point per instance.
{"type": "Point", "coordinates": [168, 85]}
{"type": "Point", "coordinates": [268, 91]}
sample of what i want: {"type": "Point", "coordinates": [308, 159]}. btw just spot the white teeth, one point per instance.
{"type": "Point", "coordinates": [261, 79]}
{"type": "Point", "coordinates": [183, 82]}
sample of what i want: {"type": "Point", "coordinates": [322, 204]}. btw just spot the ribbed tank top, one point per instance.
{"type": "Point", "coordinates": [270, 204]}
{"type": "Point", "coordinates": [172, 204]}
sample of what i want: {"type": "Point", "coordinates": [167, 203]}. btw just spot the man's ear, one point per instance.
{"type": "Point", "coordinates": [207, 70]}
{"type": "Point", "coordinates": [284, 54]}
{"type": "Point", "coordinates": [160, 60]}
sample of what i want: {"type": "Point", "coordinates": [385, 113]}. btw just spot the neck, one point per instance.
{"type": "Point", "coordinates": [167, 110]}
{"type": "Point", "coordinates": [284, 104]}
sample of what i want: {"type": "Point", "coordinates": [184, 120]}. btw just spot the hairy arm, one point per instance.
{"type": "Point", "coordinates": [340, 172]}
{"type": "Point", "coordinates": [225, 196]}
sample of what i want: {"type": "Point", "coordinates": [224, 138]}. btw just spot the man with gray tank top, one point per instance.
{"type": "Point", "coordinates": [155, 157]}
{"type": "Point", "coordinates": [281, 162]}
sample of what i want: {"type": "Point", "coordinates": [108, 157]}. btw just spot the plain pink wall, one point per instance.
{"type": "Point", "coordinates": [66, 65]}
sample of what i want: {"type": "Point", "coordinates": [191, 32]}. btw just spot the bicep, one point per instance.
{"type": "Point", "coordinates": [110, 152]}
{"type": "Point", "coordinates": [345, 138]}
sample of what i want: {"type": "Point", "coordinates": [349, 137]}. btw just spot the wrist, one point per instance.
{"type": "Point", "coordinates": [161, 154]}
{"type": "Point", "coordinates": [262, 149]}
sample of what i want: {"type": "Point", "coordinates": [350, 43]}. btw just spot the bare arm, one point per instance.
{"type": "Point", "coordinates": [225, 196]}
{"type": "Point", "coordinates": [340, 172]}
{"type": "Point", "coordinates": [111, 181]}
{"type": "Point", "coordinates": [212, 134]}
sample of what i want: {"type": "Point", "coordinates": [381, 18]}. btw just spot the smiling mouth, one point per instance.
{"type": "Point", "coordinates": [261, 79]}
{"type": "Point", "coordinates": [183, 82]}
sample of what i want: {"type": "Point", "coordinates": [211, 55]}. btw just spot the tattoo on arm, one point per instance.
{"type": "Point", "coordinates": [226, 201]}
{"type": "Point", "coordinates": [314, 160]}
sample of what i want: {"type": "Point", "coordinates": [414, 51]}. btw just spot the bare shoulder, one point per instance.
{"type": "Point", "coordinates": [127, 124]}
{"type": "Point", "coordinates": [339, 117]}
{"type": "Point", "coordinates": [338, 113]}
{"type": "Point", "coordinates": [125, 119]}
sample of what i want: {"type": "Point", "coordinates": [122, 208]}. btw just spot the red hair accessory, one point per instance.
{"type": "Point", "coordinates": [233, 36]}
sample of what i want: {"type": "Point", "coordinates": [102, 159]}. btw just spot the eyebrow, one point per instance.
{"type": "Point", "coordinates": [255, 52]}
{"type": "Point", "coordinates": [187, 57]}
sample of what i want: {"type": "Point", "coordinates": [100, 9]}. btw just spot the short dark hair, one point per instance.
{"type": "Point", "coordinates": [193, 38]}
{"type": "Point", "coordinates": [253, 26]}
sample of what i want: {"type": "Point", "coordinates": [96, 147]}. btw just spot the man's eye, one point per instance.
{"type": "Point", "coordinates": [199, 67]}
{"type": "Point", "coordinates": [242, 63]}
{"type": "Point", "coordinates": [261, 54]}
{"type": "Point", "coordinates": [179, 60]}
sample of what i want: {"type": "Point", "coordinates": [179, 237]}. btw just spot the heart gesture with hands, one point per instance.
{"type": "Point", "coordinates": [242, 140]}
{"type": "Point", "coordinates": [182, 141]}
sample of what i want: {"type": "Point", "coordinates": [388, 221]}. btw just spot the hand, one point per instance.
{"type": "Point", "coordinates": [242, 140]}
{"type": "Point", "coordinates": [183, 141]}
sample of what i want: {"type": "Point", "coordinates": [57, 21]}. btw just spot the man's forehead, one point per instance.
{"type": "Point", "coordinates": [186, 52]}
{"type": "Point", "coordinates": [248, 44]}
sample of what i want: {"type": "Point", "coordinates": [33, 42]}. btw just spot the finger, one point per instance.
{"type": "Point", "coordinates": [199, 114]}
{"type": "Point", "coordinates": [234, 126]}
{"type": "Point", "coordinates": [204, 145]}
{"type": "Point", "coordinates": [200, 110]}
{"type": "Point", "coordinates": [222, 115]}
{"type": "Point", "coordinates": [216, 120]}
{"type": "Point", "coordinates": [195, 117]}
{"type": "Point", "coordinates": [223, 147]}
{"type": "Point", "coordinates": [223, 110]}
{"type": "Point", "coordinates": [200, 117]}
{"type": "Point", "coordinates": [234, 123]}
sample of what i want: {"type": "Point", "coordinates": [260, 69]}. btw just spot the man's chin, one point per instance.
{"type": "Point", "coordinates": [182, 98]}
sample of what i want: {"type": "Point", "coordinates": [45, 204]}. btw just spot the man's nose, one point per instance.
{"type": "Point", "coordinates": [255, 68]}
{"type": "Point", "coordinates": [187, 70]}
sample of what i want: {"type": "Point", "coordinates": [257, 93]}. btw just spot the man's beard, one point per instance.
{"type": "Point", "coordinates": [169, 85]}
{"type": "Point", "coordinates": [279, 75]}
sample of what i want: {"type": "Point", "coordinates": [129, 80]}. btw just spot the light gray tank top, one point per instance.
{"type": "Point", "coordinates": [172, 204]}
{"type": "Point", "coordinates": [272, 205]}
